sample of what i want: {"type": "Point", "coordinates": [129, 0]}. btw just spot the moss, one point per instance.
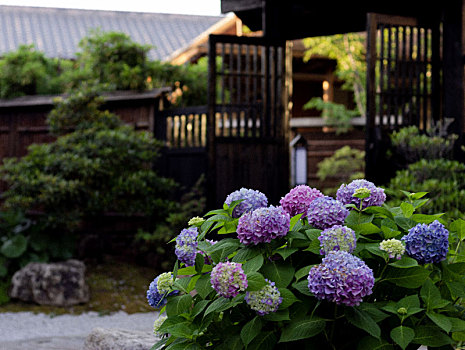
{"type": "Point", "coordinates": [115, 285]}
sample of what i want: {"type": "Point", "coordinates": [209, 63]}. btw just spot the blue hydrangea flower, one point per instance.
{"type": "Point", "coordinates": [341, 278]}
{"type": "Point", "coordinates": [155, 297]}
{"type": "Point", "coordinates": [252, 200]}
{"type": "Point", "coordinates": [265, 300]}
{"type": "Point", "coordinates": [345, 194]}
{"type": "Point", "coordinates": [228, 279]}
{"type": "Point", "coordinates": [298, 199]}
{"type": "Point", "coordinates": [337, 237]}
{"type": "Point", "coordinates": [262, 225]}
{"type": "Point", "coordinates": [427, 243]}
{"type": "Point", "coordinates": [325, 212]}
{"type": "Point", "coordinates": [186, 245]}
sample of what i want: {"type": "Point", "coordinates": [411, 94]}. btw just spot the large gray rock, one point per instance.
{"type": "Point", "coordinates": [117, 339]}
{"type": "Point", "coordinates": [57, 284]}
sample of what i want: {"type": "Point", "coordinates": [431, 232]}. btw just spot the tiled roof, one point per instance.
{"type": "Point", "coordinates": [57, 31]}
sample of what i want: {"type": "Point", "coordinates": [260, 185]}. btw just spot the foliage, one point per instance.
{"type": "Point", "coordinates": [349, 51]}
{"type": "Point", "coordinates": [346, 164]}
{"type": "Point", "coordinates": [443, 179]}
{"type": "Point", "coordinates": [427, 170]}
{"type": "Point", "coordinates": [413, 146]}
{"type": "Point", "coordinates": [112, 58]}
{"type": "Point", "coordinates": [95, 169]}
{"type": "Point", "coordinates": [22, 241]}
{"type": "Point", "coordinates": [334, 114]}
{"type": "Point", "coordinates": [411, 304]}
{"type": "Point", "coordinates": [27, 71]}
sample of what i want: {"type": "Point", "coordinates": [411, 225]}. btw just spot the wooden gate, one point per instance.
{"type": "Point", "coordinates": [248, 118]}
{"type": "Point", "coordinates": [403, 83]}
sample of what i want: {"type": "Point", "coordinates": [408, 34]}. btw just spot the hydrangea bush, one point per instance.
{"type": "Point", "coordinates": [346, 273]}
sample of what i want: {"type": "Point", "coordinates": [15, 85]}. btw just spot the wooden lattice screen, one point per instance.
{"type": "Point", "coordinates": [403, 82]}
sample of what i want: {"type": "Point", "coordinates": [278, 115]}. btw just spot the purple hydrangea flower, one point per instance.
{"type": "Point", "coordinates": [337, 237]}
{"type": "Point", "coordinates": [427, 243]}
{"type": "Point", "coordinates": [155, 297]}
{"type": "Point", "coordinates": [252, 200]}
{"type": "Point", "coordinates": [186, 245]}
{"type": "Point", "coordinates": [298, 199]}
{"type": "Point", "coordinates": [325, 212]}
{"type": "Point", "coordinates": [341, 278]}
{"type": "Point", "coordinates": [262, 225]}
{"type": "Point", "coordinates": [376, 197]}
{"type": "Point", "coordinates": [265, 300]}
{"type": "Point", "coordinates": [228, 279]}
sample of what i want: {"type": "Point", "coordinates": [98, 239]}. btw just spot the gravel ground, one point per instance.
{"type": "Point", "coordinates": [28, 331]}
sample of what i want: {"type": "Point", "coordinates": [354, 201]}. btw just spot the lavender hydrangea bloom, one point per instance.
{"type": "Point", "coordinates": [427, 243]}
{"type": "Point", "coordinates": [262, 225]}
{"type": "Point", "coordinates": [298, 199]}
{"type": "Point", "coordinates": [252, 200]}
{"type": "Point", "coordinates": [325, 212]}
{"type": "Point", "coordinates": [341, 278]}
{"type": "Point", "coordinates": [345, 194]}
{"type": "Point", "coordinates": [228, 279]}
{"type": "Point", "coordinates": [155, 297]}
{"type": "Point", "coordinates": [337, 237]}
{"type": "Point", "coordinates": [186, 246]}
{"type": "Point", "coordinates": [265, 300]}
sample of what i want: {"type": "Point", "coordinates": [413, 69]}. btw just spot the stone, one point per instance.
{"type": "Point", "coordinates": [55, 284]}
{"type": "Point", "coordinates": [118, 339]}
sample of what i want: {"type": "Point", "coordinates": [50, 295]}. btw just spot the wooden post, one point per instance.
{"type": "Point", "coordinates": [211, 124]}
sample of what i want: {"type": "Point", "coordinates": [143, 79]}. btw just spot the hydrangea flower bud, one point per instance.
{"type": "Point", "coordinates": [196, 221]}
{"type": "Point", "coordinates": [228, 279]}
{"type": "Point", "coordinates": [325, 212]}
{"type": "Point", "coordinates": [427, 243]}
{"type": "Point", "coordinates": [157, 324]}
{"type": "Point", "coordinates": [186, 246]}
{"type": "Point", "coordinates": [165, 282]}
{"type": "Point", "coordinates": [345, 194]}
{"type": "Point", "coordinates": [262, 225]}
{"type": "Point", "coordinates": [155, 297]}
{"type": "Point", "coordinates": [265, 300]}
{"type": "Point", "coordinates": [298, 199]}
{"type": "Point", "coordinates": [252, 200]}
{"type": "Point", "coordinates": [341, 278]}
{"type": "Point", "coordinates": [393, 247]}
{"type": "Point", "coordinates": [337, 237]}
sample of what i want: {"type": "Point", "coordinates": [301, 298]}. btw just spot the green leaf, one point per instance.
{"type": "Point", "coordinates": [286, 252]}
{"type": "Point", "coordinates": [203, 286]}
{"type": "Point", "coordinates": [264, 341]}
{"type": "Point", "coordinates": [229, 227]}
{"type": "Point", "coordinates": [412, 277]}
{"type": "Point", "coordinates": [418, 195]}
{"type": "Point", "coordinates": [404, 263]}
{"type": "Point", "coordinates": [220, 304]}
{"type": "Point", "coordinates": [424, 218]}
{"type": "Point", "coordinates": [255, 281]}
{"type": "Point", "coordinates": [281, 274]}
{"type": "Point", "coordinates": [303, 272]}
{"type": "Point", "coordinates": [370, 343]}
{"type": "Point", "coordinates": [407, 209]}
{"type": "Point", "coordinates": [199, 262]}
{"type": "Point", "coordinates": [250, 330]}
{"type": "Point", "coordinates": [302, 287]}
{"type": "Point", "coordinates": [223, 248]}
{"type": "Point", "coordinates": [199, 307]}
{"type": "Point", "coordinates": [178, 305]}
{"type": "Point", "coordinates": [280, 315]}
{"type": "Point", "coordinates": [14, 247]}
{"type": "Point", "coordinates": [245, 254]}
{"type": "Point", "coordinates": [185, 346]}
{"type": "Point", "coordinates": [379, 210]}
{"type": "Point", "coordinates": [459, 227]}
{"type": "Point", "coordinates": [363, 320]}
{"type": "Point", "coordinates": [294, 221]}
{"type": "Point", "coordinates": [404, 223]}
{"type": "Point", "coordinates": [366, 228]}
{"type": "Point", "coordinates": [231, 343]}
{"type": "Point", "coordinates": [430, 336]}
{"type": "Point", "coordinates": [441, 321]}
{"type": "Point", "coordinates": [402, 336]}
{"type": "Point", "coordinates": [302, 329]}
{"type": "Point", "coordinates": [357, 218]}
{"type": "Point", "coordinates": [182, 284]}
{"type": "Point", "coordinates": [187, 271]}
{"type": "Point", "coordinates": [458, 325]}
{"type": "Point", "coordinates": [288, 298]}
{"type": "Point", "coordinates": [253, 264]}
{"type": "Point", "coordinates": [432, 296]}
{"type": "Point", "coordinates": [313, 233]}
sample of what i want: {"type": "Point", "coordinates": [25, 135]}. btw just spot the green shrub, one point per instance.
{"type": "Point", "coordinates": [412, 302]}
{"type": "Point", "coordinates": [95, 169]}
{"type": "Point", "coordinates": [28, 72]}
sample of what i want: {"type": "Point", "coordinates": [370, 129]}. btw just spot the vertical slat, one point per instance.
{"type": "Point", "coordinates": [403, 89]}
{"type": "Point", "coordinates": [223, 87]}
{"type": "Point", "coordinates": [231, 89]}
{"type": "Point", "coordinates": [382, 89]}
{"type": "Point", "coordinates": [279, 129]}
{"type": "Point", "coordinates": [389, 76]}
{"type": "Point", "coordinates": [435, 71]}
{"type": "Point", "coordinates": [410, 76]}
{"type": "Point", "coordinates": [255, 91]}
{"type": "Point", "coordinates": [425, 79]}
{"type": "Point", "coordinates": [273, 84]}
{"type": "Point", "coordinates": [396, 78]}
{"type": "Point", "coordinates": [247, 90]}
{"type": "Point", "coordinates": [418, 70]}
{"type": "Point", "coordinates": [264, 125]}
{"type": "Point", "coordinates": [239, 91]}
